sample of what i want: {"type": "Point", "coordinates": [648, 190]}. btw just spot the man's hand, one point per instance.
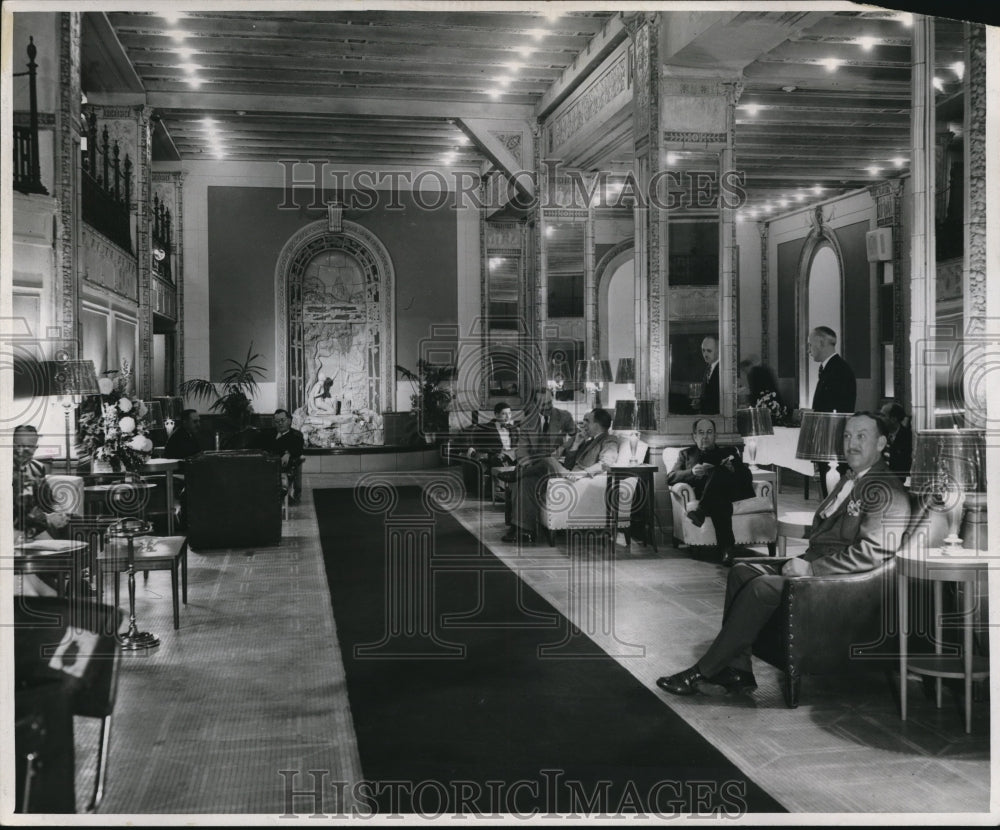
{"type": "Point", "coordinates": [57, 520]}
{"type": "Point", "coordinates": [796, 566]}
{"type": "Point", "coordinates": [702, 469]}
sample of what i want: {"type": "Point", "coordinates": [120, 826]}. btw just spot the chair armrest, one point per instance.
{"type": "Point", "coordinates": [683, 493]}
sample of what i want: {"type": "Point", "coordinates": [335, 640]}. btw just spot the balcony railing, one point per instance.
{"type": "Point", "coordinates": [162, 247]}
{"type": "Point", "coordinates": [107, 187]}
{"type": "Point", "coordinates": [27, 166]}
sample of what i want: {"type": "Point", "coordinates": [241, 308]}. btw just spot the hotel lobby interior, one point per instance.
{"type": "Point", "coordinates": [390, 224]}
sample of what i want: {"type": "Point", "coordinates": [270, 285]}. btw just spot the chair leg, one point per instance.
{"type": "Point", "coordinates": [184, 576]}
{"type": "Point", "coordinates": [102, 764]}
{"type": "Point", "coordinates": [173, 596]}
{"type": "Point", "coordinates": [551, 535]}
{"type": "Point", "coordinates": [790, 686]}
{"type": "Point", "coordinates": [771, 549]}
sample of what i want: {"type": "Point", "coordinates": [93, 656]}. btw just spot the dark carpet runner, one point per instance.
{"type": "Point", "coordinates": [465, 716]}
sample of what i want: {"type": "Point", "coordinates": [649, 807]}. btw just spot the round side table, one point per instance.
{"type": "Point", "coordinates": [793, 525]}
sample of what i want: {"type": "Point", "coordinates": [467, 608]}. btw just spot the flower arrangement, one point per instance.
{"type": "Point", "coordinates": [115, 431]}
{"type": "Point", "coordinates": [769, 400]}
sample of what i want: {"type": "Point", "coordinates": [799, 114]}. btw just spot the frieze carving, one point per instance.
{"type": "Point", "coordinates": [676, 137]}
{"type": "Point", "coordinates": [105, 264]}
{"type": "Point", "coordinates": [975, 240]}
{"type": "Point", "coordinates": [511, 143]}
{"type": "Point", "coordinates": [585, 110]}
{"type": "Point", "coordinates": [503, 235]}
{"type": "Point", "coordinates": [46, 120]}
{"type": "Point", "coordinates": [949, 279]}
{"type": "Point", "coordinates": [67, 154]}
{"type": "Point", "coordinates": [642, 86]}
{"type": "Point", "coordinates": [691, 302]}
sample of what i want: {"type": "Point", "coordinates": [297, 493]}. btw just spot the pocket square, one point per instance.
{"type": "Point", "coordinates": [854, 507]}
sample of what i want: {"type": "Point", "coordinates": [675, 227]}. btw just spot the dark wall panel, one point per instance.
{"type": "Point", "coordinates": [857, 341]}
{"type": "Point", "coordinates": [246, 233]}
{"type": "Point", "coordinates": [788, 272]}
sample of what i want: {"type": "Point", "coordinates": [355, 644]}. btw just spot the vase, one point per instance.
{"type": "Point", "coordinates": [98, 466]}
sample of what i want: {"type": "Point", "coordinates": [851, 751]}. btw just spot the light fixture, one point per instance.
{"type": "Point", "coordinates": [948, 464]}
{"type": "Point", "coordinates": [671, 158]}
{"type": "Point", "coordinates": [593, 374]}
{"type": "Point", "coordinates": [800, 197]}
{"type": "Point", "coordinates": [513, 66]}
{"type": "Point", "coordinates": [626, 420]}
{"type": "Point", "coordinates": [463, 139]}
{"type": "Point", "coordinates": [899, 161]}
{"type": "Point", "coordinates": [751, 423]}
{"type": "Point", "coordinates": [782, 202]}
{"type": "Point", "coordinates": [789, 88]}
{"type": "Point", "coordinates": [496, 261]}
{"type": "Point", "coordinates": [177, 34]}
{"type": "Point", "coordinates": [906, 18]}
{"type": "Point", "coordinates": [817, 190]}
{"type": "Point", "coordinates": [831, 64]}
{"type": "Point", "coordinates": [537, 34]}
{"type": "Point", "coordinates": [194, 82]}
{"type": "Point", "coordinates": [158, 253]}
{"type": "Point", "coordinates": [767, 208]}
{"type": "Point", "coordinates": [493, 93]}
{"type": "Point", "coordinates": [189, 67]}
{"type": "Point", "coordinates": [68, 382]}
{"type": "Point", "coordinates": [938, 84]}
{"type": "Point", "coordinates": [184, 51]}
{"type": "Point", "coordinates": [550, 230]}
{"type": "Point", "coordinates": [525, 50]}
{"type": "Point", "coordinates": [503, 80]}
{"type": "Point", "coordinates": [873, 170]}
{"type": "Point", "coordinates": [752, 109]}
{"type": "Point", "coordinates": [866, 43]}
{"type": "Point", "coordinates": [959, 69]}
{"type": "Point", "coordinates": [626, 373]}
{"type": "Point", "coordinates": [172, 17]}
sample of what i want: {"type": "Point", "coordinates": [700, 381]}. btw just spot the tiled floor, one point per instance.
{"type": "Point", "coordinates": [252, 685]}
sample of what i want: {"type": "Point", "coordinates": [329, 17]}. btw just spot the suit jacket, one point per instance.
{"type": "Point", "coordinates": [865, 530]}
{"type": "Point", "coordinates": [710, 394]}
{"type": "Point", "coordinates": [181, 444]}
{"type": "Point", "coordinates": [683, 470]}
{"type": "Point", "coordinates": [836, 389]}
{"type": "Point", "coordinates": [291, 442]}
{"type": "Point", "coordinates": [899, 453]}
{"type": "Point", "coordinates": [599, 453]}
{"type": "Point", "coordinates": [533, 443]}
{"type": "Point", "coordinates": [487, 437]}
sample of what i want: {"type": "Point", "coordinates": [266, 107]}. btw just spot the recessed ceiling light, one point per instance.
{"type": "Point", "coordinates": [241, 112]}
{"type": "Point", "coordinates": [752, 109]}
{"type": "Point", "coordinates": [671, 158]}
{"type": "Point", "coordinates": [537, 34]}
{"type": "Point", "coordinates": [866, 43]}
{"type": "Point", "coordinates": [513, 66]}
{"type": "Point", "coordinates": [959, 69]}
{"type": "Point", "coordinates": [503, 80]}
{"type": "Point", "coordinates": [789, 88]}
{"type": "Point", "coordinates": [800, 197]}
{"type": "Point", "coordinates": [463, 139]}
{"type": "Point", "coordinates": [938, 84]}
{"type": "Point", "coordinates": [172, 17]}
{"type": "Point", "coordinates": [873, 170]}
{"type": "Point", "coordinates": [899, 161]}
{"type": "Point", "coordinates": [831, 64]}
{"type": "Point", "coordinates": [767, 208]}
{"type": "Point", "coordinates": [177, 34]}
{"type": "Point", "coordinates": [189, 67]}
{"type": "Point", "coordinates": [525, 50]}
{"type": "Point", "coordinates": [194, 82]}
{"type": "Point", "coordinates": [782, 202]}
{"type": "Point", "coordinates": [817, 189]}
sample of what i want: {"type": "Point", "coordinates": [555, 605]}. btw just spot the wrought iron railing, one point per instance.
{"type": "Point", "coordinates": [162, 242]}
{"type": "Point", "coordinates": [107, 187]}
{"type": "Point", "coordinates": [27, 163]}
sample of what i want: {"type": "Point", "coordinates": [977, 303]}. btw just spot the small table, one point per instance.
{"type": "Point", "coordinates": [117, 490]}
{"type": "Point", "coordinates": [644, 473]}
{"type": "Point", "coordinates": [795, 524]}
{"type": "Point", "coordinates": [45, 556]}
{"type": "Point", "coordinates": [167, 466]}
{"type": "Point", "coordinates": [940, 565]}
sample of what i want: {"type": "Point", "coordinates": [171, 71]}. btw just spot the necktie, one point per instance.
{"type": "Point", "coordinates": [841, 497]}
{"type": "Point", "coordinates": [545, 423]}
{"type": "Point", "coordinates": [821, 367]}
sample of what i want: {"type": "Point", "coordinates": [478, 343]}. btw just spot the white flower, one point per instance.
{"type": "Point", "coordinates": [127, 425]}
{"type": "Point", "coordinates": [125, 405]}
{"type": "Point", "coordinates": [105, 384]}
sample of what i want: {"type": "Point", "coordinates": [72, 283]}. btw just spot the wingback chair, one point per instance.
{"type": "Point", "coordinates": [842, 623]}
{"type": "Point", "coordinates": [754, 520]}
{"type": "Point", "coordinates": [581, 503]}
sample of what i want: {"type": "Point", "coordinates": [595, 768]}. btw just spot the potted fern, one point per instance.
{"type": "Point", "coordinates": [432, 400]}
{"type": "Point", "coordinates": [231, 397]}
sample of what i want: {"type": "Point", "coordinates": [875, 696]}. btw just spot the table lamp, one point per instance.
{"type": "Point", "coordinates": [627, 421]}
{"type": "Point", "coordinates": [69, 381]}
{"type": "Point", "coordinates": [593, 374]}
{"type": "Point", "coordinates": [751, 422]}
{"type": "Point", "coordinates": [626, 373]}
{"type": "Point", "coordinates": [821, 437]}
{"type": "Point", "coordinates": [559, 374]}
{"type": "Point", "coordinates": [947, 465]}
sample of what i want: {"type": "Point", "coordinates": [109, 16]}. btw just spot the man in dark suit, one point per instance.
{"type": "Point", "coordinates": [497, 439]}
{"type": "Point", "coordinates": [545, 430]}
{"type": "Point", "coordinates": [719, 478]}
{"type": "Point", "coordinates": [710, 390]}
{"type": "Point", "coordinates": [899, 454]}
{"type": "Point", "coordinates": [836, 389]}
{"type": "Point", "coordinates": [588, 459]}
{"type": "Point", "coordinates": [856, 528]}
{"type": "Point", "coordinates": [183, 442]}
{"type": "Point", "coordinates": [288, 443]}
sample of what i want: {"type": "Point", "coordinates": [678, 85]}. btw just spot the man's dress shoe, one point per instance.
{"type": "Point", "coordinates": [696, 517]}
{"type": "Point", "coordinates": [515, 535]}
{"type": "Point", "coordinates": [682, 683]}
{"type": "Point", "coordinates": [735, 680]}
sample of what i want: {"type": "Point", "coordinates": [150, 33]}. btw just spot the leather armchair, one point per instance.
{"type": "Point", "coordinates": [754, 520]}
{"type": "Point", "coordinates": [842, 623]}
{"type": "Point", "coordinates": [581, 503]}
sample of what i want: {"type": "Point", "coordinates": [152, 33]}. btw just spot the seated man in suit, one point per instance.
{"type": "Point", "coordinates": [856, 528]}
{"type": "Point", "coordinates": [546, 429]}
{"type": "Point", "coordinates": [496, 441]}
{"type": "Point", "coordinates": [719, 477]}
{"type": "Point", "coordinates": [288, 443]}
{"type": "Point", "coordinates": [588, 459]}
{"type": "Point", "coordinates": [183, 442]}
{"type": "Point", "coordinates": [899, 454]}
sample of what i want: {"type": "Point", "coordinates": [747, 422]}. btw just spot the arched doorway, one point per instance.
{"type": "Point", "coordinates": [614, 330]}
{"type": "Point", "coordinates": [823, 304]}
{"type": "Point", "coordinates": [335, 316]}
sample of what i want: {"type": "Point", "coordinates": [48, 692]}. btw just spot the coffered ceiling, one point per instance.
{"type": "Point", "coordinates": [825, 106]}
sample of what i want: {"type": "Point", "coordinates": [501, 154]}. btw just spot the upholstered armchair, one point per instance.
{"type": "Point", "coordinates": [754, 520]}
{"type": "Point", "coordinates": [841, 623]}
{"type": "Point", "coordinates": [582, 503]}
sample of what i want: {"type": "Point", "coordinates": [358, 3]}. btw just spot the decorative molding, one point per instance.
{"type": "Point", "coordinates": [585, 110]}
{"type": "Point", "coordinates": [764, 229]}
{"type": "Point", "coordinates": [512, 143]}
{"type": "Point", "coordinates": [142, 174]}
{"type": "Point", "coordinates": [46, 120]}
{"type": "Point", "coordinates": [641, 87]}
{"type": "Point", "coordinates": [975, 172]}
{"type": "Point", "coordinates": [104, 264]}
{"type": "Point", "coordinates": [363, 245]}
{"type": "Point", "coordinates": [688, 302]}
{"type": "Point", "coordinates": [603, 271]}
{"type": "Point", "coordinates": [503, 236]}
{"type": "Point", "coordinates": [674, 137]}
{"type": "Point", "coordinates": [67, 158]}
{"type": "Point", "coordinates": [163, 298]}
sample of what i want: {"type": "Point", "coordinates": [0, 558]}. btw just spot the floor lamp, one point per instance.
{"type": "Point", "coordinates": [70, 381]}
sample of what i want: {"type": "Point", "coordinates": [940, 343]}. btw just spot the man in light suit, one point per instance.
{"type": "Point", "coordinates": [856, 528]}
{"type": "Point", "coordinates": [710, 392]}
{"type": "Point", "coordinates": [836, 389]}
{"type": "Point", "coordinates": [588, 459]}
{"type": "Point", "coordinates": [719, 478]}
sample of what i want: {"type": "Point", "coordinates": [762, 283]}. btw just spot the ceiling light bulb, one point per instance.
{"type": "Point", "coordinates": [189, 67]}
{"type": "Point", "coordinates": [177, 34]}
{"type": "Point", "coordinates": [463, 139]}
{"type": "Point", "coordinates": [549, 230]}
{"type": "Point", "coordinates": [752, 213]}
{"type": "Point", "coordinates": [800, 197]}
{"type": "Point", "coordinates": [537, 34]}
{"type": "Point", "coordinates": [172, 17]}
{"type": "Point", "coordinates": [494, 93]}
{"type": "Point", "coordinates": [959, 69]}
{"type": "Point", "coordinates": [767, 208]}
{"type": "Point", "coordinates": [866, 43]}
{"type": "Point", "coordinates": [831, 64]}
{"type": "Point", "coordinates": [513, 66]}
{"type": "Point", "coordinates": [184, 51]}
{"type": "Point", "coordinates": [752, 109]}
{"type": "Point", "coordinates": [899, 161]}
{"type": "Point", "coordinates": [817, 189]}
{"type": "Point", "coordinates": [874, 170]}
{"type": "Point", "coordinates": [194, 82]}
{"type": "Point", "coordinates": [525, 50]}
{"type": "Point", "coordinates": [938, 84]}
{"type": "Point", "coordinates": [503, 81]}
{"type": "Point", "coordinates": [782, 202]}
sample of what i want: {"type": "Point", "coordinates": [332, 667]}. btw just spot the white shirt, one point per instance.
{"type": "Point", "coordinates": [845, 491]}
{"type": "Point", "coordinates": [504, 431]}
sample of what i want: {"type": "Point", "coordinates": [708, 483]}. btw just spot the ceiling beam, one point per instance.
{"type": "Point", "coordinates": [106, 66]}
{"type": "Point", "coordinates": [337, 105]}
{"type": "Point", "coordinates": [478, 130]}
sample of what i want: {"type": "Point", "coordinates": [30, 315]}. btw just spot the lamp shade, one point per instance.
{"type": "Point", "coordinates": [958, 454]}
{"type": "Point", "coordinates": [626, 415]}
{"type": "Point", "coordinates": [822, 436]}
{"type": "Point", "coordinates": [593, 371]}
{"type": "Point", "coordinates": [646, 415]}
{"type": "Point", "coordinates": [71, 378]}
{"type": "Point", "coordinates": [626, 370]}
{"type": "Point", "coordinates": [754, 421]}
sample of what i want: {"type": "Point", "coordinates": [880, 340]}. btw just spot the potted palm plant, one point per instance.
{"type": "Point", "coordinates": [433, 398]}
{"type": "Point", "coordinates": [232, 396]}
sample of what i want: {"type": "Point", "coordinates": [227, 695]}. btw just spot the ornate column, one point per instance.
{"type": "Point", "coordinates": [764, 229]}
{"type": "Point", "coordinates": [888, 198]}
{"type": "Point", "coordinates": [65, 293]}
{"type": "Point", "coordinates": [143, 248]}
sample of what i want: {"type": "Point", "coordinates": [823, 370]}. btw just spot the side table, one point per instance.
{"type": "Point", "coordinates": [940, 565]}
{"type": "Point", "coordinates": [167, 466]}
{"type": "Point", "coordinates": [645, 491]}
{"type": "Point", "coordinates": [793, 525]}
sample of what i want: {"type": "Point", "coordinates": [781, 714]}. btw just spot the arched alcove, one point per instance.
{"type": "Point", "coordinates": [335, 315]}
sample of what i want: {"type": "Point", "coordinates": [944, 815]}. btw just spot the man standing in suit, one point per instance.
{"type": "Point", "coordinates": [710, 390]}
{"type": "Point", "coordinates": [719, 477]}
{"type": "Point", "coordinates": [856, 528]}
{"type": "Point", "coordinates": [836, 389]}
{"type": "Point", "coordinates": [546, 431]}
{"type": "Point", "coordinates": [287, 443]}
{"type": "Point", "coordinates": [590, 458]}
